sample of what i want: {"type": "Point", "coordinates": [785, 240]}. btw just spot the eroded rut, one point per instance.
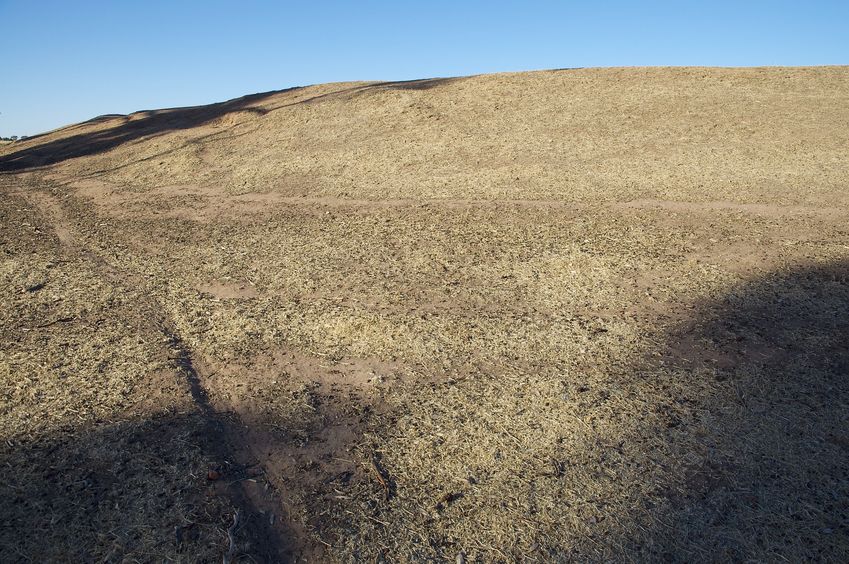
{"type": "Point", "coordinates": [256, 510]}
{"type": "Point", "coordinates": [257, 532]}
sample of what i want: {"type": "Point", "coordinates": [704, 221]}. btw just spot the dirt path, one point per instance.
{"type": "Point", "coordinates": [261, 532]}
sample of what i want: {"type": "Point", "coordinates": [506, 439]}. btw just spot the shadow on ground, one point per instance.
{"type": "Point", "coordinates": [761, 458]}
{"type": "Point", "coordinates": [140, 491]}
{"type": "Point", "coordinates": [153, 123]}
{"type": "Point", "coordinates": [749, 404]}
{"type": "Point", "coordinates": [130, 128]}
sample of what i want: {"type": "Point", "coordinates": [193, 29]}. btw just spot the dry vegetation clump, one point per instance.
{"type": "Point", "coordinates": [582, 315]}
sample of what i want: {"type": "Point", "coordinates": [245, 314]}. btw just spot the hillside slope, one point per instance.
{"type": "Point", "coordinates": [576, 315]}
{"type": "Point", "coordinates": [743, 135]}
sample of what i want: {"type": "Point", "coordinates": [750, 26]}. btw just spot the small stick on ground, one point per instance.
{"type": "Point", "coordinates": [231, 536]}
{"type": "Point", "coordinates": [54, 322]}
{"type": "Point", "coordinates": [381, 474]}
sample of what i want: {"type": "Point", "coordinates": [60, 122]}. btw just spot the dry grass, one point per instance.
{"type": "Point", "coordinates": [576, 315]}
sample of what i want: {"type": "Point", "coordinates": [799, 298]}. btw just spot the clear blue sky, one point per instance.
{"type": "Point", "coordinates": [66, 61]}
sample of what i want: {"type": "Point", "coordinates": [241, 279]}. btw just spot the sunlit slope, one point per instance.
{"type": "Point", "coordinates": [778, 135]}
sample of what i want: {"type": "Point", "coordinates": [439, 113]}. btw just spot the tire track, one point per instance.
{"type": "Point", "coordinates": [223, 439]}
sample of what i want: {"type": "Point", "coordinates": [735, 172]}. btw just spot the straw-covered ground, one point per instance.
{"type": "Point", "coordinates": [577, 315]}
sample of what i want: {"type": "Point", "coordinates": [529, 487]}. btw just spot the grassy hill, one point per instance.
{"type": "Point", "coordinates": [590, 315]}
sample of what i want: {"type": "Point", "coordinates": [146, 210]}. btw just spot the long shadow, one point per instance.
{"type": "Point", "coordinates": [136, 490]}
{"type": "Point", "coordinates": [763, 439]}
{"type": "Point", "coordinates": [133, 127]}
{"type": "Point", "coordinates": [149, 124]}
{"type": "Point", "coordinates": [170, 486]}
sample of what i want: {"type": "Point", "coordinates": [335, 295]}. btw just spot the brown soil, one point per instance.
{"type": "Point", "coordinates": [584, 315]}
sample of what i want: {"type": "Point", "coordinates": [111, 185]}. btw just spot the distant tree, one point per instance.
{"type": "Point", "coordinates": [14, 138]}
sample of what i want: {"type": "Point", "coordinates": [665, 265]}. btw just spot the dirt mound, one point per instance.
{"type": "Point", "coordinates": [583, 315]}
